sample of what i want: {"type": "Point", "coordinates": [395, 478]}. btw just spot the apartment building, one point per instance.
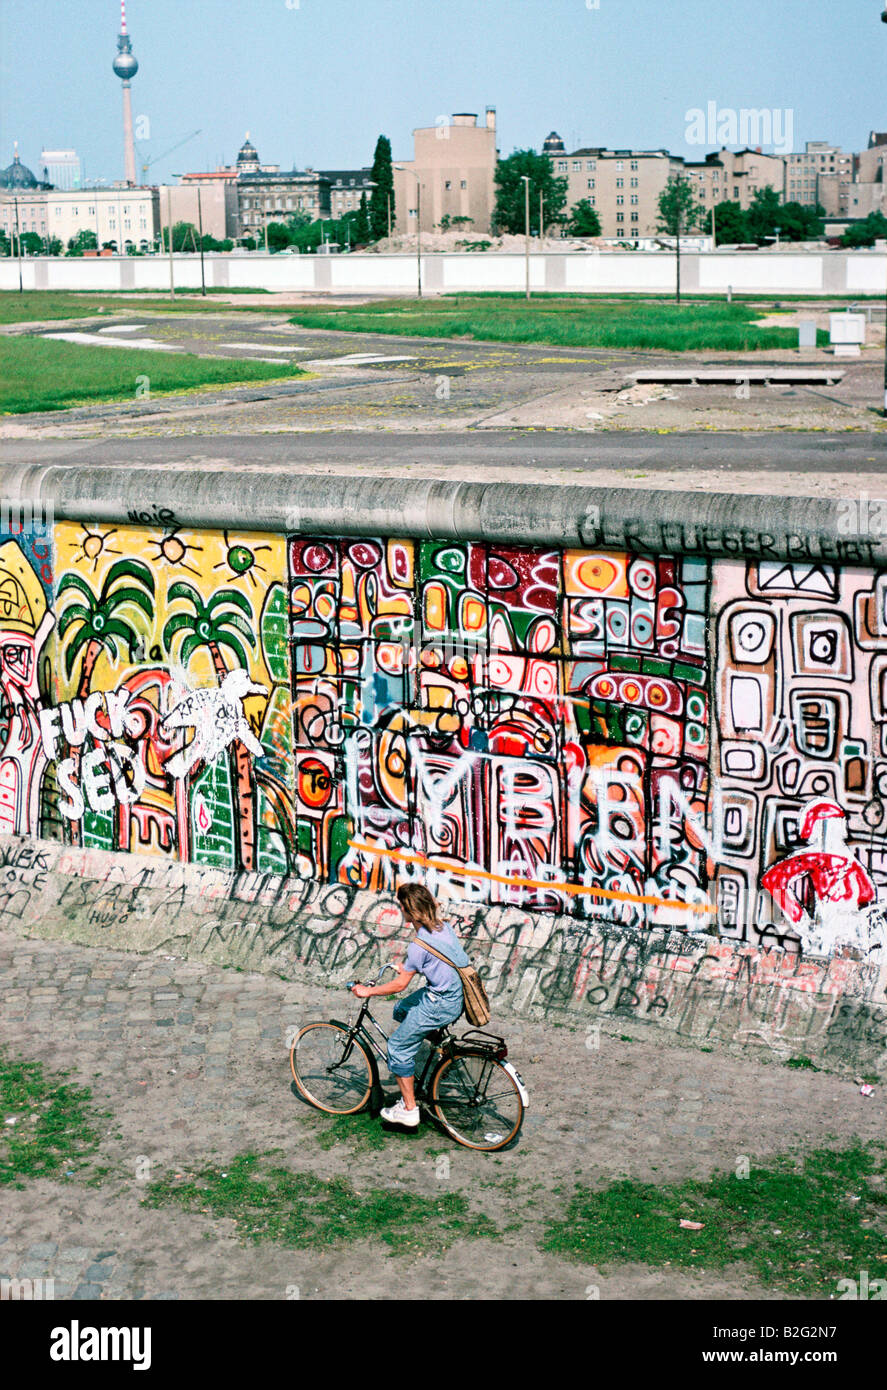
{"type": "Point", "coordinates": [454, 161]}
{"type": "Point", "coordinates": [822, 173]}
{"type": "Point", "coordinates": [866, 193]}
{"type": "Point", "coordinates": [217, 208]}
{"type": "Point", "coordinates": [734, 176]}
{"type": "Point", "coordinates": [347, 186]}
{"type": "Point", "coordinates": [127, 218]}
{"type": "Point", "coordinates": [623, 186]}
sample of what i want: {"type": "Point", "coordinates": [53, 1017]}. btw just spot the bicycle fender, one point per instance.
{"type": "Point", "coordinates": [518, 1081]}
{"type": "Point", "coordinates": [374, 1065]}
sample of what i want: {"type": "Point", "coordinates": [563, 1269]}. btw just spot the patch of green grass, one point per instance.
{"type": "Point", "coordinates": [303, 1211]}
{"type": "Point", "coordinates": [54, 1122]}
{"type": "Point", "coordinates": [564, 321]}
{"type": "Point", "coordinates": [799, 1224]}
{"type": "Point", "coordinates": [39, 374]}
{"type": "Point", "coordinates": [362, 1132]}
{"type": "Point", "coordinates": [39, 306]}
{"type": "Point", "coordinates": [801, 1064]}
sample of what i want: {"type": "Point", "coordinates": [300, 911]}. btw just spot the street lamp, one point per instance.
{"type": "Point", "coordinates": [525, 178]}
{"type": "Point", "coordinates": [172, 283]}
{"type": "Point", "coordinates": [401, 168]}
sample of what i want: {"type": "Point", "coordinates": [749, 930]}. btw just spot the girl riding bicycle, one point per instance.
{"type": "Point", "coordinates": [438, 1003]}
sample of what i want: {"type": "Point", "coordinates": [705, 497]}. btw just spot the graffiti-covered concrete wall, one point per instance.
{"type": "Point", "coordinates": [650, 747]}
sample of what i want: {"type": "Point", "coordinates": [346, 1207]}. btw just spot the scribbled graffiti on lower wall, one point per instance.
{"type": "Point", "coordinates": [636, 741]}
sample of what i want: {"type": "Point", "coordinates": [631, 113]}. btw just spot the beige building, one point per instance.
{"type": "Point", "coordinates": [869, 166]}
{"type": "Point", "coordinates": [347, 186]}
{"type": "Point", "coordinates": [218, 203]}
{"type": "Point", "coordinates": [623, 186]}
{"type": "Point", "coordinates": [266, 193]}
{"type": "Point", "coordinates": [455, 164]}
{"type": "Point", "coordinates": [822, 173]}
{"type": "Point", "coordinates": [126, 217]}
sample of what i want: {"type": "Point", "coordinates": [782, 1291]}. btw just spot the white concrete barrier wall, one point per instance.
{"type": "Point", "coordinates": [761, 272]}
{"type": "Point", "coordinates": [620, 271]}
{"type": "Point", "coordinates": [753, 271]}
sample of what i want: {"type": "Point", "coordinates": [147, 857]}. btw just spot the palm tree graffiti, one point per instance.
{"type": "Point", "coordinates": [100, 622]}
{"type": "Point", "coordinates": [211, 626]}
{"type": "Point", "coordinates": [101, 625]}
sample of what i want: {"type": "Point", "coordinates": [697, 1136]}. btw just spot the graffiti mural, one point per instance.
{"type": "Point", "coordinates": [172, 695]}
{"type": "Point", "coordinates": [626, 741]}
{"type": "Point", "coordinates": [26, 622]}
{"type": "Point", "coordinates": [801, 758]}
{"type": "Point", "coordinates": [504, 722]}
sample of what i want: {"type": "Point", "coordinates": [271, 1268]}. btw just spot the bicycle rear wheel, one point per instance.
{"type": "Point", "coordinates": [477, 1102]}
{"type": "Point", "coordinates": [335, 1083]}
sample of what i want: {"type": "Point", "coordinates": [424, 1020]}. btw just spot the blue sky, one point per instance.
{"type": "Point", "coordinates": [315, 81]}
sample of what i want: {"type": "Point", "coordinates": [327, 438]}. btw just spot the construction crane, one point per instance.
{"type": "Point", "coordinates": [157, 158]}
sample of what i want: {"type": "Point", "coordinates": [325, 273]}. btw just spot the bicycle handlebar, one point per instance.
{"type": "Point", "coordinates": [370, 983]}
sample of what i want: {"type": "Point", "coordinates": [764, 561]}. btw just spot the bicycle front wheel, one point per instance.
{"type": "Point", "coordinates": [333, 1075]}
{"type": "Point", "coordinates": [477, 1102]}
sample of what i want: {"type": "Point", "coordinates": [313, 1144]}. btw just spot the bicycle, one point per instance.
{"type": "Point", "coordinates": [466, 1085]}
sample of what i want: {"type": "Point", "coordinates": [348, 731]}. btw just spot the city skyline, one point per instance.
{"type": "Point", "coordinates": [533, 65]}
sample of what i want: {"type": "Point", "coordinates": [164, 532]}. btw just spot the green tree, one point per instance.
{"type": "Point", "coordinates": [54, 246]}
{"type": "Point", "coordinates": [679, 212]}
{"type": "Point", "coordinates": [5, 245]}
{"type": "Point", "coordinates": [84, 241]}
{"type": "Point", "coordinates": [865, 233]}
{"type": "Point", "coordinates": [584, 221]}
{"type": "Point", "coordinates": [731, 224]}
{"type": "Point", "coordinates": [279, 236]}
{"type": "Point", "coordinates": [32, 244]}
{"type": "Point", "coordinates": [184, 237]}
{"type": "Point", "coordinates": [210, 243]}
{"type": "Point", "coordinates": [509, 214]}
{"type": "Point", "coordinates": [212, 626]}
{"type": "Point", "coordinates": [764, 215]}
{"type": "Point", "coordinates": [796, 222]}
{"type": "Point", "coordinates": [363, 223]}
{"type": "Point", "coordinates": [383, 177]}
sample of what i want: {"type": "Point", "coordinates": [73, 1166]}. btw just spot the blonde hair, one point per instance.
{"type": "Point", "coordinates": [419, 905]}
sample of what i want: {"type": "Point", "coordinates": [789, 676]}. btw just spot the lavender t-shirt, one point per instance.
{"type": "Point", "coordinates": [441, 978]}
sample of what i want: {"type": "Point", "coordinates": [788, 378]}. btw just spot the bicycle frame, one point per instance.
{"type": "Point", "coordinates": [358, 1029]}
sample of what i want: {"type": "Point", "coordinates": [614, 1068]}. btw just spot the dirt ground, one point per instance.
{"type": "Point", "coordinates": [190, 1060]}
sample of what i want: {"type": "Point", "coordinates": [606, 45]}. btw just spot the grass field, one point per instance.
{"type": "Point", "coordinates": [37, 306]}
{"type": "Point", "coordinates": [36, 374]}
{"type": "Point", "coordinates": [49, 1126]}
{"type": "Point", "coordinates": [564, 321]}
{"type": "Point", "coordinates": [267, 1201]}
{"type": "Point", "coordinates": [799, 1225]}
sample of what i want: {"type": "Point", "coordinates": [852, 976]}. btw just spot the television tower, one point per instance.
{"type": "Point", "coordinates": [126, 66]}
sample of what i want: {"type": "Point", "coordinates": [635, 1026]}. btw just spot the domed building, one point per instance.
{"type": "Point", "coordinates": [18, 178]}
{"type": "Point", "coordinates": [553, 144]}
{"type": "Point", "coordinates": [247, 158]}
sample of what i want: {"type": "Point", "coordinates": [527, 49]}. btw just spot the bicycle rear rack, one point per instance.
{"type": "Point", "coordinates": [486, 1042]}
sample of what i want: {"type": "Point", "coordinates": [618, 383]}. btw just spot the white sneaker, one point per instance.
{"type": "Point", "coordinates": [398, 1114]}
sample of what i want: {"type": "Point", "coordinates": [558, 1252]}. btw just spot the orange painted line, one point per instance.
{"type": "Point", "coordinates": [406, 857]}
